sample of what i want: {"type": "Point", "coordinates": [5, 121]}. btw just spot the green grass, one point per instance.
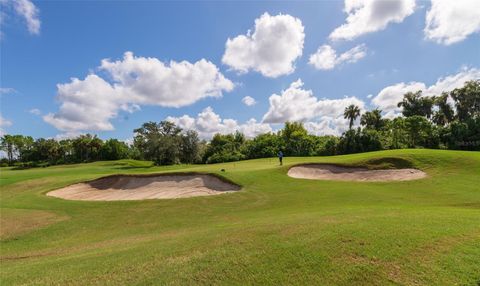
{"type": "Point", "coordinates": [277, 231]}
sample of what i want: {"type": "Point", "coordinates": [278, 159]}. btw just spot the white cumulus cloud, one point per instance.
{"type": "Point", "coordinates": [321, 116]}
{"type": "Point", "coordinates": [30, 13]}
{"type": "Point", "coordinates": [208, 123]}
{"type": "Point", "coordinates": [35, 111]}
{"type": "Point", "coordinates": [91, 103]}
{"type": "Point", "coordinates": [7, 90]}
{"type": "Point", "coordinates": [327, 126]}
{"type": "Point", "coordinates": [388, 98]}
{"type": "Point", "coordinates": [272, 48]}
{"type": "Point", "coordinates": [293, 104]}
{"type": "Point", "coordinates": [174, 84]}
{"type": "Point", "coordinates": [449, 22]}
{"type": "Point", "coordinates": [4, 123]}
{"type": "Point", "coordinates": [86, 104]}
{"type": "Point", "coordinates": [326, 58]}
{"type": "Point", "coordinates": [249, 101]}
{"type": "Point", "coordinates": [67, 135]}
{"type": "Point", "coordinates": [367, 16]}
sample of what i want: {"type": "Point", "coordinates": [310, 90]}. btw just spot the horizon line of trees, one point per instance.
{"type": "Point", "coordinates": [426, 122]}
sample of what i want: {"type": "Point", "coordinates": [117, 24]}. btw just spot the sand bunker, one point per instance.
{"type": "Point", "coordinates": [333, 172]}
{"type": "Point", "coordinates": [141, 187]}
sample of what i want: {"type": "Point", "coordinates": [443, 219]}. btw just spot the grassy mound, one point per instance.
{"type": "Point", "coordinates": [279, 230]}
{"type": "Point", "coordinates": [389, 163]}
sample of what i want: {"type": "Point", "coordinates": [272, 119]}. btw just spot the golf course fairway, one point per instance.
{"type": "Point", "coordinates": [276, 230]}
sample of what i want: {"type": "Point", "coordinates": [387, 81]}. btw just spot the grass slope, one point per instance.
{"type": "Point", "coordinates": [278, 231]}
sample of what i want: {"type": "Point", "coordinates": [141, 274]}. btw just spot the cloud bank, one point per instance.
{"type": "Point", "coordinates": [388, 98]}
{"type": "Point", "coordinates": [321, 116]}
{"type": "Point", "coordinates": [91, 103]}
{"type": "Point", "coordinates": [208, 123]}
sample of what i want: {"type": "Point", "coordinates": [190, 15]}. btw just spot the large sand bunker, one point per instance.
{"type": "Point", "coordinates": [339, 173]}
{"type": "Point", "coordinates": [141, 187]}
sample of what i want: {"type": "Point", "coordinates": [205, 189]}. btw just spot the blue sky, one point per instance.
{"type": "Point", "coordinates": [380, 52]}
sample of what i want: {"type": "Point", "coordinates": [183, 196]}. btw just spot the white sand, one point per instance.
{"type": "Point", "coordinates": [333, 172]}
{"type": "Point", "coordinates": [119, 188]}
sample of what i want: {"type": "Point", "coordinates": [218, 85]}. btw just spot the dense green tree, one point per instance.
{"type": "Point", "coordinates": [24, 146]}
{"type": "Point", "coordinates": [17, 147]}
{"type": "Point", "coordinates": [169, 147]}
{"type": "Point", "coordinates": [348, 142]}
{"type": "Point", "coordinates": [86, 148]}
{"type": "Point", "coordinates": [296, 140]}
{"type": "Point", "coordinates": [190, 147]}
{"type": "Point", "coordinates": [159, 142]}
{"type": "Point", "coordinates": [418, 129]}
{"type": "Point", "coordinates": [370, 140]}
{"type": "Point", "coordinates": [467, 100]}
{"type": "Point", "coordinates": [327, 145]}
{"type": "Point", "coordinates": [414, 103]}
{"type": "Point", "coordinates": [66, 145]}
{"type": "Point", "coordinates": [445, 113]}
{"type": "Point", "coordinates": [292, 128]}
{"type": "Point", "coordinates": [358, 140]}
{"type": "Point", "coordinates": [263, 146]}
{"type": "Point", "coordinates": [135, 153]}
{"type": "Point", "coordinates": [113, 149]}
{"type": "Point", "coordinates": [224, 148]}
{"type": "Point", "coordinates": [146, 140]}
{"type": "Point", "coordinates": [463, 135]}
{"type": "Point", "coordinates": [238, 140]}
{"type": "Point", "coordinates": [373, 120]}
{"type": "Point", "coordinates": [46, 150]}
{"type": "Point", "coordinates": [8, 145]}
{"type": "Point", "coordinates": [396, 137]}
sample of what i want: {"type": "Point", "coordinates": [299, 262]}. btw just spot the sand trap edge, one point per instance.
{"type": "Point", "coordinates": [238, 187]}
{"type": "Point", "coordinates": [359, 168]}
{"type": "Point", "coordinates": [222, 178]}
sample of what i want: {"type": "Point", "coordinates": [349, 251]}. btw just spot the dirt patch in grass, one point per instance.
{"type": "Point", "coordinates": [342, 173]}
{"type": "Point", "coordinates": [16, 222]}
{"type": "Point", "coordinates": [141, 187]}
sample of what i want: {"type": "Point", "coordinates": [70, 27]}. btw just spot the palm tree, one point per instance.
{"type": "Point", "coordinates": [351, 113]}
{"type": "Point", "coordinates": [372, 119]}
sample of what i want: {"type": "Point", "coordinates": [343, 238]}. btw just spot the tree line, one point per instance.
{"type": "Point", "coordinates": [426, 122]}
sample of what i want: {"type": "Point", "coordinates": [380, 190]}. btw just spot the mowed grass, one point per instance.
{"type": "Point", "coordinates": [276, 231]}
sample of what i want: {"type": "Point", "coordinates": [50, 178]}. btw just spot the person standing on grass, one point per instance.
{"type": "Point", "coordinates": [280, 157]}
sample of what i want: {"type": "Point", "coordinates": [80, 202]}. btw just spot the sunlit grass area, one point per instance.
{"type": "Point", "coordinates": [276, 231]}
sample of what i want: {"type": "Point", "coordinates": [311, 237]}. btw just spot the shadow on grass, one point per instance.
{"type": "Point", "coordinates": [131, 165]}
{"type": "Point", "coordinates": [388, 163]}
{"type": "Point", "coordinates": [31, 165]}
